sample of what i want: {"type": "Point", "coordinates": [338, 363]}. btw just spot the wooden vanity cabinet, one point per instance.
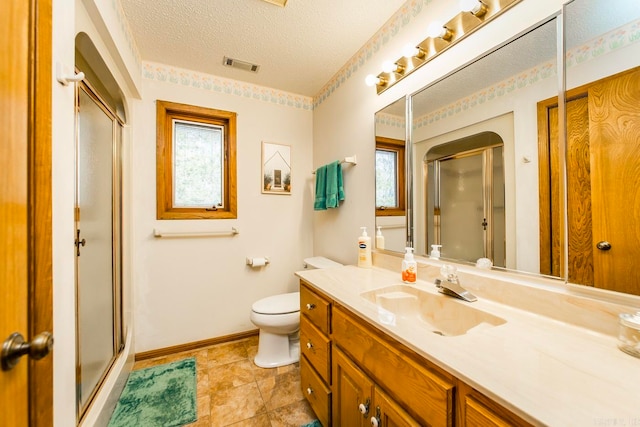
{"type": "Point", "coordinates": [359, 402]}
{"type": "Point", "coordinates": [347, 362]}
{"type": "Point", "coordinates": [422, 390]}
{"type": "Point", "coordinates": [315, 351]}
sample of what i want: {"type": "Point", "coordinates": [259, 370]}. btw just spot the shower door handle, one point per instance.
{"type": "Point", "coordinates": [79, 242]}
{"type": "Point", "coordinates": [15, 347]}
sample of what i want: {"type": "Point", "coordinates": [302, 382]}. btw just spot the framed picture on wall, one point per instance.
{"type": "Point", "coordinates": [276, 168]}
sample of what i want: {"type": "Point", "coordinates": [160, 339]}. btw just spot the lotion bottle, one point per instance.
{"type": "Point", "coordinates": [409, 267]}
{"type": "Point", "coordinates": [364, 249]}
{"type": "Point", "coordinates": [379, 239]}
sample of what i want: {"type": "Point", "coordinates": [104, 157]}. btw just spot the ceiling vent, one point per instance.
{"type": "Point", "coordinates": [241, 65]}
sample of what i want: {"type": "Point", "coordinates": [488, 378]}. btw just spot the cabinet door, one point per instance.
{"type": "Point", "coordinates": [352, 393]}
{"type": "Point", "coordinates": [477, 410]}
{"type": "Point", "coordinates": [388, 413]}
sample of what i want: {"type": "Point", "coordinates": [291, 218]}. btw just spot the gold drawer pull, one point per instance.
{"type": "Point", "coordinates": [309, 391]}
{"type": "Point", "coordinates": [311, 306]}
{"type": "Point", "coordinates": [309, 345]}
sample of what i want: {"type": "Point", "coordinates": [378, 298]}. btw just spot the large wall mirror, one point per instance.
{"type": "Point", "coordinates": [475, 188]}
{"type": "Point", "coordinates": [603, 144]}
{"type": "Point", "coordinates": [391, 174]}
{"type": "Point", "coordinates": [489, 152]}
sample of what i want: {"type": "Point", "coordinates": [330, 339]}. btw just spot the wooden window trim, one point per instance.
{"type": "Point", "coordinates": [398, 146]}
{"type": "Point", "coordinates": [166, 112]}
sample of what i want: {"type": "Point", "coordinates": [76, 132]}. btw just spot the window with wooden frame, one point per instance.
{"type": "Point", "coordinates": [195, 162]}
{"type": "Point", "coordinates": [390, 193]}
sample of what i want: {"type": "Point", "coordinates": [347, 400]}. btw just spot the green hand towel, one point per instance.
{"type": "Point", "coordinates": [340, 183]}
{"type": "Point", "coordinates": [335, 189]}
{"type": "Point", "coordinates": [320, 203]}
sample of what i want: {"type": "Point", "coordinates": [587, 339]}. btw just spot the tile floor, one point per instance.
{"type": "Point", "coordinates": [233, 391]}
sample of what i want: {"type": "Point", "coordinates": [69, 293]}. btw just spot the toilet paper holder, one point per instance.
{"type": "Point", "coordinates": [258, 262]}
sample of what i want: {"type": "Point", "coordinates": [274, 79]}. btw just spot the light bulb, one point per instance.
{"type": "Point", "coordinates": [469, 5]}
{"type": "Point", "coordinates": [389, 67]}
{"type": "Point", "coordinates": [475, 7]}
{"type": "Point", "coordinates": [371, 80]}
{"type": "Point", "coordinates": [409, 51]}
{"type": "Point", "coordinates": [436, 29]}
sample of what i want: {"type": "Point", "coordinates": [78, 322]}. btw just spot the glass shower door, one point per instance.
{"type": "Point", "coordinates": [97, 263]}
{"type": "Point", "coordinates": [462, 208]}
{"type": "Point", "coordinates": [466, 205]}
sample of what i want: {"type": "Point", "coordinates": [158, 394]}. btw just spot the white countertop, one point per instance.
{"type": "Point", "coordinates": [546, 371]}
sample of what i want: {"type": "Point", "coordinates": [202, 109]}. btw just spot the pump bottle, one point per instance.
{"type": "Point", "coordinates": [435, 251]}
{"type": "Point", "coordinates": [364, 249]}
{"type": "Point", "coordinates": [379, 239]}
{"type": "Point", "coordinates": [409, 267]}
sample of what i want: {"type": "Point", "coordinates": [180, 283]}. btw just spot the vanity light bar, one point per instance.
{"type": "Point", "coordinates": [474, 14]}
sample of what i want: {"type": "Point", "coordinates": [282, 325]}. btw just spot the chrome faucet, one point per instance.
{"type": "Point", "coordinates": [451, 285]}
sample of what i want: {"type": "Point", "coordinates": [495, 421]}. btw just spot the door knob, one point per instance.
{"type": "Point", "coordinates": [603, 246]}
{"type": "Point", "coordinates": [15, 347]}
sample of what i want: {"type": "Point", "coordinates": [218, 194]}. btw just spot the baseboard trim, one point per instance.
{"type": "Point", "coordinates": [151, 354]}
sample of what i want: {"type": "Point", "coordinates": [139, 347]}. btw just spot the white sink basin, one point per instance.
{"type": "Point", "coordinates": [440, 314]}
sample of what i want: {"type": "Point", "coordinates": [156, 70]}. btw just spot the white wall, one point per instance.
{"type": "Point", "coordinates": [192, 289]}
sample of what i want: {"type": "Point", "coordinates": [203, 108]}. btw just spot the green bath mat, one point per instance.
{"type": "Point", "coordinates": [162, 396]}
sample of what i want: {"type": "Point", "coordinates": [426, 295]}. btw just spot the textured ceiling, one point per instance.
{"type": "Point", "coordinates": [298, 47]}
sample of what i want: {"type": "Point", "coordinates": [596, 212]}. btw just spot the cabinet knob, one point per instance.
{"type": "Point", "coordinates": [309, 391]}
{"type": "Point", "coordinates": [309, 345]}
{"type": "Point", "coordinates": [364, 407]}
{"type": "Point", "coordinates": [311, 306]}
{"type": "Point", "coordinates": [376, 421]}
{"type": "Point", "coordinates": [603, 246]}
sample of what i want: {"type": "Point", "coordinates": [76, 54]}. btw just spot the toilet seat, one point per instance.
{"type": "Point", "coordinates": [278, 304]}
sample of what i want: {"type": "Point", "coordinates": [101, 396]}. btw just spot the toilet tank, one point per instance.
{"type": "Point", "coordinates": [317, 262]}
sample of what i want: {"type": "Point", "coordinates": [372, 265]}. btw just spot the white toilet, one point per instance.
{"type": "Point", "coordinates": [278, 318]}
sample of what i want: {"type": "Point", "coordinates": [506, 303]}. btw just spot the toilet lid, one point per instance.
{"type": "Point", "coordinates": [278, 304]}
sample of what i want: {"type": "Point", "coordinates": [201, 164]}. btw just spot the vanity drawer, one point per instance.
{"type": "Point", "coordinates": [426, 393]}
{"type": "Point", "coordinates": [316, 392]}
{"type": "Point", "coordinates": [316, 347]}
{"type": "Point", "coordinates": [316, 308]}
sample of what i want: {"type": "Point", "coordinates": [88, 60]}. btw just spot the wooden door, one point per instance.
{"type": "Point", "coordinates": [352, 393]}
{"type": "Point", "coordinates": [603, 196]}
{"type": "Point", "coordinates": [26, 390]}
{"type": "Point", "coordinates": [614, 135]}
{"type": "Point", "coordinates": [389, 413]}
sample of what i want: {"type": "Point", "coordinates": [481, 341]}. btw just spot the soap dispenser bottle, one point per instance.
{"type": "Point", "coordinates": [364, 249]}
{"type": "Point", "coordinates": [379, 239]}
{"type": "Point", "coordinates": [435, 251]}
{"type": "Point", "coordinates": [409, 267]}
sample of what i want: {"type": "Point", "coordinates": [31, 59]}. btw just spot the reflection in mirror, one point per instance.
{"type": "Point", "coordinates": [465, 186]}
{"type": "Point", "coordinates": [495, 95]}
{"type": "Point", "coordinates": [602, 106]}
{"type": "Point", "coordinates": [390, 131]}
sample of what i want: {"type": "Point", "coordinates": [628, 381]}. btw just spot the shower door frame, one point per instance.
{"type": "Point", "coordinates": [116, 242]}
{"type": "Point", "coordinates": [487, 195]}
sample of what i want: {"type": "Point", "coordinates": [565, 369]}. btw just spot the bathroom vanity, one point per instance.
{"type": "Point", "coordinates": [411, 356]}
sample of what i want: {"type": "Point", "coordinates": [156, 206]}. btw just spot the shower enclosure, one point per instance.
{"type": "Point", "coordinates": [99, 336]}
{"type": "Point", "coordinates": [464, 181]}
